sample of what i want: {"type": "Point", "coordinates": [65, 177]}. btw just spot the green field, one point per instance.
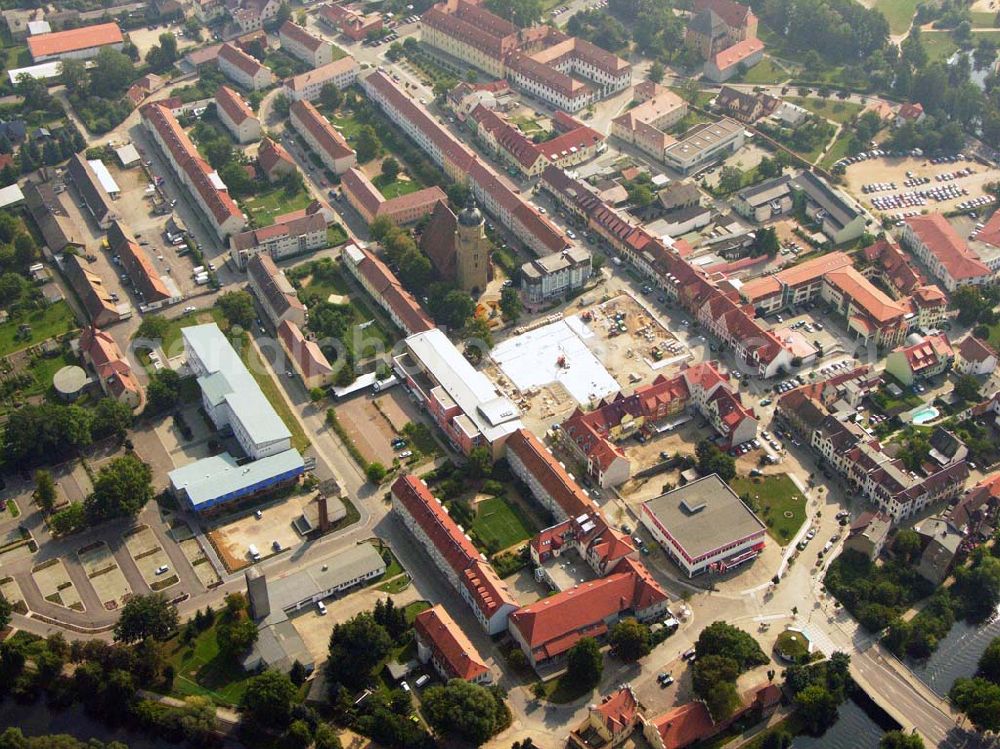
{"type": "Point", "coordinates": [837, 151]}
{"type": "Point", "coordinates": [348, 126]}
{"type": "Point", "coordinates": [396, 187]}
{"type": "Point", "coordinates": [53, 320]}
{"type": "Point", "coordinates": [501, 522]}
{"type": "Point", "coordinates": [899, 13]}
{"type": "Point", "coordinates": [274, 201]}
{"type": "Point", "coordinates": [775, 495]}
{"type": "Point", "coordinates": [832, 109]}
{"type": "Point", "coordinates": [200, 670]}
{"type": "Point", "coordinates": [766, 71]}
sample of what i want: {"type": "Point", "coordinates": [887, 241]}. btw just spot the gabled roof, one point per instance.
{"type": "Point", "coordinates": [443, 532]}
{"type": "Point", "coordinates": [240, 59]}
{"type": "Point", "coordinates": [737, 53]}
{"type": "Point", "coordinates": [549, 473]}
{"type": "Point", "coordinates": [230, 102]}
{"type": "Point", "coordinates": [450, 646]}
{"type": "Point", "coordinates": [137, 263]}
{"type": "Point", "coordinates": [327, 136]}
{"type": "Point", "coordinates": [310, 357]}
{"type": "Point", "coordinates": [734, 14]}
{"type": "Point", "coordinates": [278, 293]}
{"type": "Point", "coordinates": [942, 241]}
{"type": "Point", "coordinates": [321, 74]}
{"type": "Point", "coordinates": [272, 153]}
{"type": "Point", "coordinates": [72, 40]}
{"type": "Point", "coordinates": [299, 35]}
{"type": "Point", "coordinates": [973, 349]}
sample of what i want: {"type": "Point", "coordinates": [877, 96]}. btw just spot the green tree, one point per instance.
{"type": "Point", "coordinates": [45, 492]}
{"type": "Point", "coordinates": [375, 472]}
{"type": "Point", "coordinates": [325, 737]}
{"type": "Point", "coordinates": [330, 97]}
{"type": "Point", "coordinates": [454, 309]}
{"type": "Point", "coordinates": [74, 76]}
{"type": "Point", "coordinates": [721, 638]}
{"type": "Point", "coordinates": [656, 72]}
{"type": "Point", "coordinates": [163, 392]}
{"type": "Point", "coordinates": [778, 739]}
{"type": "Point", "coordinates": [907, 544]}
{"type": "Point", "coordinates": [111, 418]}
{"type": "Point", "coordinates": [712, 460]}
{"type": "Point", "coordinates": [480, 463]}
{"type": "Point", "coordinates": [368, 145]}
{"type": "Point", "coordinates": [817, 708]}
{"type": "Point", "coordinates": [122, 488]}
{"type": "Point", "coordinates": [900, 740]}
{"type": "Point", "coordinates": [235, 636]}
{"type": "Point", "coordinates": [510, 304]}
{"type": "Point", "coordinates": [281, 106]}
{"type": "Point", "coordinates": [765, 242]}
{"type": "Point", "coordinates": [989, 662]}
{"type": "Point", "coordinates": [714, 681]}
{"type": "Point", "coordinates": [197, 720]}
{"type": "Point", "coordinates": [146, 616]}
{"type": "Point", "coordinates": [268, 699]}
{"type": "Point", "coordinates": [112, 73]}
{"type": "Point", "coordinates": [967, 388]}
{"type": "Point", "coordinates": [584, 663]}
{"type": "Point", "coordinates": [237, 307]}
{"type": "Point", "coordinates": [467, 711]}
{"type": "Point", "coordinates": [356, 647]}
{"type": "Point", "coordinates": [730, 179]}
{"type": "Point", "coordinates": [25, 250]}
{"type": "Point", "coordinates": [6, 610]}
{"type": "Point", "coordinates": [630, 640]}
{"type": "Point", "coordinates": [523, 13]}
{"type": "Point", "coordinates": [153, 327]}
{"type": "Point", "coordinates": [390, 169]}
{"type": "Point", "coordinates": [980, 700]}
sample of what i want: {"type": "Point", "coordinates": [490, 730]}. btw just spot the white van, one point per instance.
{"type": "Point", "coordinates": [422, 680]}
{"type": "Point", "coordinates": [321, 608]}
{"type": "Point", "coordinates": [254, 554]}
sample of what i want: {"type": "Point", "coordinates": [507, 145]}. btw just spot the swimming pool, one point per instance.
{"type": "Point", "coordinates": [925, 414]}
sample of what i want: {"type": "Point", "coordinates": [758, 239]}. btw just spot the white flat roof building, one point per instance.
{"type": "Point", "coordinates": [231, 395]}
{"type": "Point", "coordinates": [104, 176]}
{"type": "Point", "coordinates": [11, 195]}
{"type": "Point", "coordinates": [557, 352]}
{"type": "Point", "coordinates": [127, 155]}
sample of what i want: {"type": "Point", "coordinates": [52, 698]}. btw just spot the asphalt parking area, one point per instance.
{"type": "Point", "coordinates": [149, 556]}
{"type": "Point", "coordinates": [270, 534]}
{"type": "Point", "coordinates": [104, 574]}
{"type": "Point", "coordinates": [55, 586]}
{"type": "Point", "coordinates": [189, 546]}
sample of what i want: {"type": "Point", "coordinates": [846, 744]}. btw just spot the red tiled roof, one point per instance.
{"type": "Point", "coordinates": [487, 589]}
{"type": "Point", "coordinates": [618, 710]}
{"type": "Point", "coordinates": [449, 540]}
{"type": "Point", "coordinates": [990, 233]}
{"type": "Point", "coordinates": [299, 35]}
{"type": "Point", "coordinates": [85, 37]}
{"type": "Point", "coordinates": [270, 154]}
{"type": "Point", "coordinates": [138, 265]}
{"type": "Point", "coordinates": [220, 203]}
{"type": "Point", "coordinates": [357, 184]}
{"type": "Point", "coordinates": [385, 283]}
{"type": "Point", "coordinates": [685, 725]}
{"type": "Point", "coordinates": [928, 353]}
{"type": "Point", "coordinates": [552, 625]}
{"type": "Point", "coordinates": [328, 137]}
{"type": "Point", "coordinates": [734, 14]}
{"type": "Point", "coordinates": [108, 361]}
{"type": "Point", "coordinates": [737, 53]}
{"type": "Point", "coordinates": [451, 647]}
{"type": "Point", "coordinates": [911, 111]}
{"type": "Point", "coordinates": [974, 349]}
{"type": "Point", "coordinates": [549, 473]}
{"type": "Point", "coordinates": [236, 109]}
{"type": "Point", "coordinates": [944, 243]}
{"type": "Point", "coordinates": [307, 353]}
{"type": "Point", "coordinates": [240, 59]}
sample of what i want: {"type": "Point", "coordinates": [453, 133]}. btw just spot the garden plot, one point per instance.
{"type": "Point", "coordinates": [104, 574]}
{"type": "Point", "coordinates": [182, 534]}
{"type": "Point", "coordinates": [55, 586]}
{"type": "Point", "coordinates": [149, 556]}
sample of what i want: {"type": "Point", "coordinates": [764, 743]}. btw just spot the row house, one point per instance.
{"type": "Point", "coordinates": [340, 73]}
{"type": "Point", "coordinates": [369, 202]}
{"type": "Point", "coordinates": [385, 289]}
{"type": "Point", "coordinates": [204, 185]}
{"type": "Point", "coordinates": [236, 115]}
{"type": "Point", "coordinates": [550, 483]}
{"type": "Point", "coordinates": [945, 254]}
{"type": "Point", "coordinates": [441, 642]}
{"type": "Point", "coordinates": [494, 193]}
{"type": "Point", "coordinates": [322, 137]}
{"type": "Point", "coordinates": [453, 553]}
{"type": "Point", "coordinates": [301, 44]}
{"type": "Point", "coordinates": [275, 292]}
{"type": "Point", "coordinates": [244, 70]}
{"type": "Point", "coordinates": [281, 239]}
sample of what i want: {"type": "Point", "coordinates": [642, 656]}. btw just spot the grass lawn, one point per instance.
{"type": "Point", "coordinates": [412, 609]}
{"type": "Point", "coordinates": [274, 201]}
{"type": "Point", "coordinates": [837, 151]}
{"type": "Point", "coordinates": [688, 121]}
{"type": "Point", "coordinates": [335, 235]}
{"type": "Point", "coordinates": [396, 585]}
{"type": "Point", "coordinates": [792, 645]}
{"type": "Point", "coordinates": [782, 506]}
{"type": "Point", "coordinates": [395, 188]}
{"type": "Point", "coordinates": [940, 45]}
{"type": "Point", "coordinates": [898, 13]}
{"type": "Point", "coordinates": [765, 71]}
{"type": "Point", "coordinates": [53, 320]}
{"type": "Point", "coordinates": [13, 509]}
{"type": "Point", "coordinates": [347, 125]}
{"type": "Point", "coordinates": [501, 523]}
{"type": "Point", "coordinates": [562, 690]}
{"type": "Point", "coordinates": [832, 109]}
{"type": "Point", "coordinates": [201, 670]}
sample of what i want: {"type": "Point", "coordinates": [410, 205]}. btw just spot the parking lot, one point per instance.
{"type": "Point", "coordinates": [906, 186]}
{"type": "Point", "coordinates": [374, 422]}
{"type": "Point", "coordinates": [104, 574]}
{"type": "Point", "coordinates": [270, 533]}
{"type": "Point", "coordinates": [55, 585]}
{"type": "Point", "coordinates": [150, 558]}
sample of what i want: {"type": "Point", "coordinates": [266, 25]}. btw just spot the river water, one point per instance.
{"type": "Point", "coordinates": [957, 655]}
{"type": "Point", "coordinates": [854, 729]}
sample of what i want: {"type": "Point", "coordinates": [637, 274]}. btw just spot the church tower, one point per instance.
{"type": "Point", "coordinates": [472, 250]}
